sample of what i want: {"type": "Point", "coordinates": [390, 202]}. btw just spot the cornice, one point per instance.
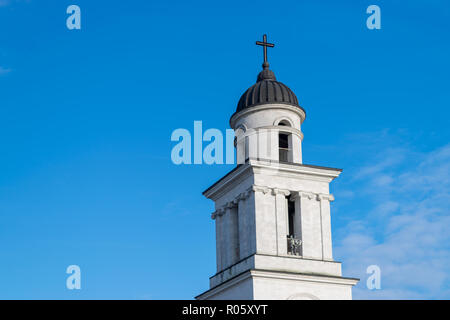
{"type": "Point", "coordinates": [295, 170]}
{"type": "Point", "coordinates": [292, 170]}
{"type": "Point", "coordinates": [236, 116]}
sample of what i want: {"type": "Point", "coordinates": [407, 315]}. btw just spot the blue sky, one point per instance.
{"type": "Point", "coordinates": [86, 118]}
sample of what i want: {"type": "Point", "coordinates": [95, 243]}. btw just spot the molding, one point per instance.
{"type": "Point", "coordinates": [295, 170]}
{"type": "Point", "coordinates": [252, 167]}
{"type": "Point", "coordinates": [224, 285]}
{"type": "Point", "coordinates": [231, 204]}
{"type": "Point", "coordinates": [244, 195]}
{"type": "Point", "coordinates": [297, 109]}
{"type": "Point", "coordinates": [219, 212]}
{"type": "Point", "coordinates": [259, 273]}
{"type": "Point", "coordinates": [311, 196]}
{"type": "Point", "coordinates": [264, 190]}
{"type": "Point", "coordinates": [278, 129]}
{"type": "Point", "coordinates": [303, 194]}
{"type": "Point", "coordinates": [283, 192]}
{"type": "Point", "coordinates": [284, 118]}
{"type": "Point", "coordinates": [242, 127]}
{"type": "Point", "coordinates": [304, 277]}
{"type": "Point", "coordinates": [228, 182]}
{"type": "Point", "coordinates": [274, 191]}
{"type": "Point", "coordinates": [328, 197]}
{"type": "Point", "coordinates": [275, 129]}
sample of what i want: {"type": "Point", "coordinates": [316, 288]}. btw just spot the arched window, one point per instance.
{"type": "Point", "coordinates": [284, 123]}
{"type": "Point", "coordinates": [284, 147]}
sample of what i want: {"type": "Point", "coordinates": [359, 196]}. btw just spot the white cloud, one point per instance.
{"type": "Point", "coordinates": [407, 233]}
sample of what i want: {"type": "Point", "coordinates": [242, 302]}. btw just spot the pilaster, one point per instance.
{"type": "Point", "coordinates": [325, 216]}
{"type": "Point", "coordinates": [281, 219]}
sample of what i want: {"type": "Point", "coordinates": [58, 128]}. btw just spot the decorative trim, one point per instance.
{"type": "Point", "coordinates": [284, 118]}
{"type": "Point", "coordinates": [242, 127]}
{"type": "Point", "coordinates": [328, 197]}
{"type": "Point", "coordinates": [303, 194]}
{"type": "Point", "coordinates": [244, 195]}
{"type": "Point", "coordinates": [277, 129]}
{"type": "Point", "coordinates": [283, 192]}
{"type": "Point", "coordinates": [219, 212]}
{"type": "Point", "coordinates": [231, 204]}
{"type": "Point", "coordinates": [306, 194]}
{"type": "Point", "coordinates": [297, 109]}
{"type": "Point", "coordinates": [312, 195]}
{"type": "Point", "coordinates": [274, 191]}
{"type": "Point", "coordinates": [243, 171]}
{"type": "Point", "coordinates": [264, 190]}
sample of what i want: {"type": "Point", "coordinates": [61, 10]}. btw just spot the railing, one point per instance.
{"type": "Point", "coordinates": [293, 245]}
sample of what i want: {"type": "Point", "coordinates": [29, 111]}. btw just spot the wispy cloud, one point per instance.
{"type": "Point", "coordinates": [406, 233]}
{"type": "Point", "coordinates": [4, 3]}
{"type": "Point", "coordinates": [4, 70]}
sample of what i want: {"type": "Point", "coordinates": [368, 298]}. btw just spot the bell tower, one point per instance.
{"type": "Point", "coordinates": [272, 212]}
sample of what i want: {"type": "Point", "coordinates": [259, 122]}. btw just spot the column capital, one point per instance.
{"type": "Point", "coordinates": [231, 204]}
{"type": "Point", "coordinates": [264, 190]}
{"type": "Point", "coordinates": [219, 212]}
{"type": "Point", "coordinates": [328, 197]}
{"type": "Point", "coordinates": [283, 192]}
{"type": "Point", "coordinates": [244, 195]}
{"type": "Point", "coordinates": [303, 194]}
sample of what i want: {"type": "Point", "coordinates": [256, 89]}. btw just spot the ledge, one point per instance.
{"type": "Point", "coordinates": [319, 172]}
{"type": "Point", "coordinates": [284, 263]}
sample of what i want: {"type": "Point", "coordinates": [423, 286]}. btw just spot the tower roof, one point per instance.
{"type": "Point", "coordinates": [267, 90]}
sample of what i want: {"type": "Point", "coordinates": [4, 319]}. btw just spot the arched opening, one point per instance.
{"type": "Point", "coordinates": [284, 123]}
{"type": "Point", "coordinates": [284, 147]}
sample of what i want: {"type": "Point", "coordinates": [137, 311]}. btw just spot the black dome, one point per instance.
{"type": "Point", "coordinates": [267, 90]}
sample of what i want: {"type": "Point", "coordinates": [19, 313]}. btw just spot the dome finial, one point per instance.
{"type": "Point", "coordinates": [265, 44]}
{"type": "Point", "coordinates": [266, 74]}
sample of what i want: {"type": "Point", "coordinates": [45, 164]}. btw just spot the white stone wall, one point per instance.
{"type": "Point", "coordinates": [266, 223]}
{"type": "Point", "coordinates": [268, 115]}
{"type": "Point", "coordinates": [252, 224]}
{"type": "Point", "coordinates": [251, 215]}
{"type": "Point", "coordinates": [267, 285]}
{"type": "Point", "coordinates": [238, 290]}
{"type": "Point", "coordinates": [257, 131]}
{"type": "Point", "coordinates": [286, 263]}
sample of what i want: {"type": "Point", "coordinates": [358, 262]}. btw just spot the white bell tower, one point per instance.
{"type": "Point", "coordinates": [272, 212]}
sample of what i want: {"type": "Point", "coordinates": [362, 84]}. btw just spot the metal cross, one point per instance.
{"type": "Point", "coordinates": [265, 44]}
